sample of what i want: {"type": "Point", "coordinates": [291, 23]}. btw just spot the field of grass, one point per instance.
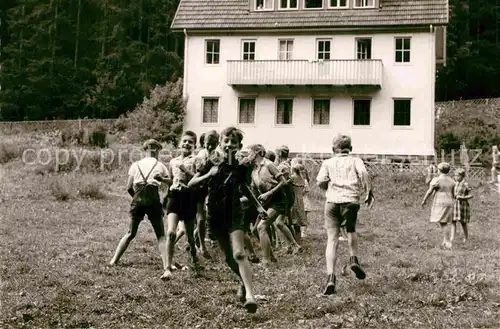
{"type": "Point", "coordinates": [54, 252]}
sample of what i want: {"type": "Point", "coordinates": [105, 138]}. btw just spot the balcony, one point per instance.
{"type": "Point", "coordinates": [303, 73]}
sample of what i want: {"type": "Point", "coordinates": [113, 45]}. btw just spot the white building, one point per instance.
{"type": "Point", "coordinates": [296, 72]}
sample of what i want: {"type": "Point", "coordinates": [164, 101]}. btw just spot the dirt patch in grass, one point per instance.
{"type": "Point", "coordinates": [53, 257]}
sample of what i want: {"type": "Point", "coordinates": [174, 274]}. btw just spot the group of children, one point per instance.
{"type": "Point", "coordinates": [451, 202]}
{"type": "Point", "coordinates": [231, 193]}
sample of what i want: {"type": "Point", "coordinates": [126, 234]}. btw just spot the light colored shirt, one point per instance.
{"type": "Point", "coordinates": [179, 177]}
{"type": "Point", "coordinates": [265, 176]}
{"type": "Point", "coordinates": [145, 165]}
{"type": "Point", "coordinates": [347, 177]}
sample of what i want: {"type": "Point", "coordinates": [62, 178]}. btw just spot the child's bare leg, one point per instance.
{"type": "Point", "coordinates": [181, 231]}
{"type": "Point", "coordinates": [237, 242]}
{"type": "Point", "coordinates": [453, 231]}
{"type": "Point", "coordinates": [249, 247]}
{"type": "Point", "coordinates": [265, 243]}
{"type": "Point", "coordinates": [331, 249]}
{"type": "Point", "coordinates": [125, 241]}
{"type": "Point", "coordinates": [189, 224]}
{"type": "Point", "coordinates": [201, 228]}
{"type": "Point", "coordinates": [286, 231]}
{"type": "Point", "coordinates": [159, 229]}
{"type": "Point", "coordinates": [446, 240]}
{"type": "Point", "coordinates": [172, 222]}
{"type": "Point", "coordinates": [466, 231]}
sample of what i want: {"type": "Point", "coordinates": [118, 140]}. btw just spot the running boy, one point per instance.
{"type": "Point", "coordinates": [343, 177]}
{"type": "Point", "coordinates": [226, 186]}
{"type": "Point", "coordinates": [181, 205]}
{"type": "Point", "coordinates": [270, 182]}
{"type": "Point", "coordinates": [203, 158]}
{"type": "Point", "coordinates": [144, 178]}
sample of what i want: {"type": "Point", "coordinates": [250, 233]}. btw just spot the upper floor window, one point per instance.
{"type": "Point", "coordinates": [247, 110]}
{"type": "Point", "coordinates": [284, 111]}
{"type": "Point", "coordinates": [313, 4]}
{"type": "Point", "coordinates": [364, 48]}
{"type": "Point", "coordinates": [362, 112]}
{"type": "Point", "coordinates": [288, 4]}
{"type": "Point", "coordinates": [338, 3]}
{"type": "Point", "coordinates": [403, 49]}
{"type": "Point", "coordinates": [212, 51]}
{"type": "Point", "coordinates": [324, 47]}
{"type": "Point", "coordinates": [364, 3]}
{"type": "Point", "coordinates": [249, 50]}
{"type": "Point", "coordinates": [210, 110]}
{"type": "Point", "coordinates": [285, 50]}
{"type": "Point", "coordinates": [402, 112]}
{"type": "Point", "coordinates": [264, 4]}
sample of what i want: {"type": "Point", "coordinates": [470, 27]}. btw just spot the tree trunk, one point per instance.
{"type": "Point", "coordinates": [54, 28]}
{"type": "Point", "coordinates": [21, 38]}
{"type": "Point", "coordinates": [105, 29]}
{"type": "Point", "coordinates": [77, 37]}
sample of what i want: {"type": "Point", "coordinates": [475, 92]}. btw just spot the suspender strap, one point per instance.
{"type": "Point", "coordinates": [145, 179]}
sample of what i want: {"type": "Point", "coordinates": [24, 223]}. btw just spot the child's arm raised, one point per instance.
{"type": "Point", "coordinates": [199, 178]}
{"type": "Point", "coordinates": [282, 182]}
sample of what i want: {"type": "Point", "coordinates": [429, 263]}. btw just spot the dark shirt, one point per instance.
{"type": "Point", "coordinates": [224, 188]}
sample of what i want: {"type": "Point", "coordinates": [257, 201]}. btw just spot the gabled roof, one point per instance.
{"type": "Point", "coordinates": [236, 14]}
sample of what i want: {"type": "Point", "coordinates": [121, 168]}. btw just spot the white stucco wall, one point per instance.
{"type": "Point", "coordinates": [401, 80]}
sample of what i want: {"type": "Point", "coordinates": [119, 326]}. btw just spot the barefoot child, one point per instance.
{"type": "Point", "coordinates": [461, 208]}
{"type": "Point", "coordinates": [181, 205]}
{"type": "Point", "coordinates": [144, 177]}
{"type": "Point", "coordinates": [344, 177]}
{"type": "Point", "coordinates": [270, 182]}
{"type": "Point", "coordinates": [442, 207]}
{"type": "Point", "coordinates": [226, 186]}
{"type": "Point", "coordinates": [298, 214]}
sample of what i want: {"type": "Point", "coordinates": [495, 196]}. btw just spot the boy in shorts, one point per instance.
{"type": "Point", "coordinates": [270, 182]}
{"type": "Point", "coordinates": [226, 187]}
{"type": "Point", "coordinates": [204, 156]}
{"type": "Point", "coordinates": [181, 204]}
{"type": "Point", "coordinates": [144, 179]}
{"type": "Point", "coordinates": [344, 178]}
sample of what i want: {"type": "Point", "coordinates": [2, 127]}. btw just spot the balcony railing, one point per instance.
{"type": "Point", "coordinates": [304, 72]}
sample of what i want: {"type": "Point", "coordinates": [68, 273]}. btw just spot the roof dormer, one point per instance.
{"type": "Point", "coordinates": [276, 5]}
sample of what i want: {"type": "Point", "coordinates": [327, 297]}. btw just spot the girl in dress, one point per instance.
{"type": "Point", "coordinates": [461, 208]}
{"type": "Point", "coordinates": [442, 188]}
{"type": "Point", "coordinates": [298, 214]}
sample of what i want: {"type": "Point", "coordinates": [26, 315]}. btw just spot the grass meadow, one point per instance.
{"type": "Point", "coordinates": [58, 231]}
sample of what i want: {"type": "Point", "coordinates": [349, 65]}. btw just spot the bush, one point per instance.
{"type": "Point", "coordinates": [91, 190]}
{"type": "Point", "coordinates": [60, 189]}
{"type": "Point", "coordinates": [97, 136]}
{"type": "Point", "coordinates": [161, 116]}
{"type": "Point", "coordinates": [10, 151]}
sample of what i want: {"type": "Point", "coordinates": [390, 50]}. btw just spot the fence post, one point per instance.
{"type": "Point", "coordinates": [79, 124]}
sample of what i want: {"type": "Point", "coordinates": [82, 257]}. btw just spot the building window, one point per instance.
{"type": "Point", "coordinates": [313, 4]}
{"type": "Point", "coordinates": [247, 110]}
{"type": "Point", "coordinates": [324, 49]}
{"type": "Point", "coordinates": [403, 46]}
{"type": "Point", "coordinates": [212, 51]}
{"type": "Point", "coordinates": [321, 111]}
{"type": "Point", "coordinates": [364, 3]}
{"type": "Point", "coordinates": [362, 112]}
{"type": "Point", "coordinates": [284, 111]}
{"type": "Point", "coordinates": [264, 4]}
{"type": "Point", "coordinates": [338, 3]}
{"type": "Point", "coordinates": [402, 112]}
{"type": "Point", "coordinates": [210, 110]}
{"type": "Point", "coordinates": [364, 48]}
{"type": "Point", "coordinates": [288, 4]}
{"type": "Point", "coordinates": [285, 50]}
{"type": "Point", "coordinates": [248, 50]}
